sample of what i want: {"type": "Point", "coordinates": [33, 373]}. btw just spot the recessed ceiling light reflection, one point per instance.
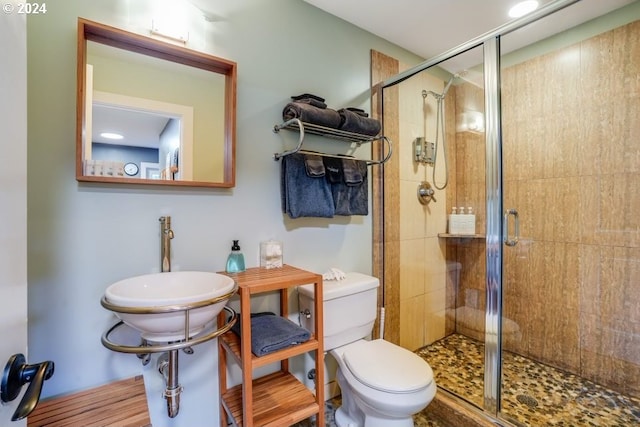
{"type": "Point", "coordinates": [111, 135]}
{"type": "Point", "coordinates": [523, 8]}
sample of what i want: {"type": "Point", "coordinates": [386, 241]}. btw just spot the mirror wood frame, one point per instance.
{"type": "Point", "coordinates": [104, 34]}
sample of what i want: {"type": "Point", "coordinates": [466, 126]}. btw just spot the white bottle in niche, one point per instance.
{"type": "Point", "coordinates": [462, 223]}
{"type": "Point", "coordinates": [453, 221]}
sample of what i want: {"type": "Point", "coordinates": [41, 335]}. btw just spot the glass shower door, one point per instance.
{"type": "Point", "coordinates": [538, 323]}
{"type": "Point", "coordinates": [434, 277]}
{"type": "Point", "coordinates": [570, 310]}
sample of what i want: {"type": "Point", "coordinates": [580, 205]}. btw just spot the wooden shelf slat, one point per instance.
{"type": "Point", "coordinates": [121, 403]}
{"type": "Point", "coordinates": [270, 279]}
{"type": "Point", "coordinates": [231, 341]}
{"type": "Point", "coordinates": [279, 400]}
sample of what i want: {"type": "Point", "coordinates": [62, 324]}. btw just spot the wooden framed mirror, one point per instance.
{"type": "Point", "coordinates": [151, 112]}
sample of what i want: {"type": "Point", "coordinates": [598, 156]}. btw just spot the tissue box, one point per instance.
{"type": "Point", "coordinates": [271, 254]}
{"type": "Point", "coordinates": [462, 224]}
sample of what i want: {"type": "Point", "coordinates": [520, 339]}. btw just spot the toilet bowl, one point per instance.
{"type": "Point", "coordinates": [382, 384]}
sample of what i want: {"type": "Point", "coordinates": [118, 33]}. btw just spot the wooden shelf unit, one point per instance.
{"type": "Point", "coordinates": [277, 399]}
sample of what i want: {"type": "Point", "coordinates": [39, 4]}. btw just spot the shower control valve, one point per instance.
{"type": "Point", "coordinates": [426, 193]}
{"type": "Point", "coordinates": [306, 313]}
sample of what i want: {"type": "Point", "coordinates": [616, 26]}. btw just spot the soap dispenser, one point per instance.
{"type": "Point", "coordinates": [235, 261]}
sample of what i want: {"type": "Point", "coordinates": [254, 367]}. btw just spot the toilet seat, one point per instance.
{"type": "Point", "coordinates": [387, 367]}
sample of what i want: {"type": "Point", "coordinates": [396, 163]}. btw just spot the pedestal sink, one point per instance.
{"type": "Point", "coordinates": [162, 306]}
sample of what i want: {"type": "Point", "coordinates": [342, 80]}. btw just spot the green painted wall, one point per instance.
{"type": "Point", "coordinates": [81, 238]}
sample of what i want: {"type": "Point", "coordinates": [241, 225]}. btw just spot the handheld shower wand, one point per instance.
{"type": "Point", "coordinates": [432, 155]}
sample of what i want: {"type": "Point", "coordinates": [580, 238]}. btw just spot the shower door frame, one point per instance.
{"type": "Point", "coordinates": [494, 230]}
{"type": "Point", "coordinates": [494, 239]}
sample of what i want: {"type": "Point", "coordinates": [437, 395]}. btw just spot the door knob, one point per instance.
{"type": "Point", "coordinates": [16, 374]}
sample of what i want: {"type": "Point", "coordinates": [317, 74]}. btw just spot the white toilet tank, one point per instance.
{"type": "Point", "coordinates": [350, 307]}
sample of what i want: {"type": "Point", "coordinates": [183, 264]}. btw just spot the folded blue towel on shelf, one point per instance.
{"type": "Point", "coordinates": [304, 191]}
{"type": "Point", "coordinates": [270, 333]}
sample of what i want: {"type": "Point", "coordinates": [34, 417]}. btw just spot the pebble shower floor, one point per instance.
{"type": "Point", "coordinates": [534, 395]}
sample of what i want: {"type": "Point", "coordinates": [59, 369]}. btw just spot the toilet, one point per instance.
{"type": "Point", "coordinates": [382, 384]}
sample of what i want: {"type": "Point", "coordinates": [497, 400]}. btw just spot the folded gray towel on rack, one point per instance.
{"type": "Point", "coordinates": [351, 195]}
{"type": "Point", "coordinates": [354, 122]}
{"type": "Point", "coordinates": [326, 117]}
{"type": "Point", "coordinates": [313, 102]}
{"type": "Point", "coordinates": [303, 195]}
{"type": "Point", "coordinates": [270, 333]}
{"type": "Point", "coordinates": [358, 111]}
{"type": "Point", "coordinates": [314, 165]}
{"type": "Point", "coordinates": [352, 173]}
{"type": "Point", "coordinates": [307, 96]}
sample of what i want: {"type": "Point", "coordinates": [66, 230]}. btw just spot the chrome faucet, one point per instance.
{"type": "Point", "coordinates": [166, 234]}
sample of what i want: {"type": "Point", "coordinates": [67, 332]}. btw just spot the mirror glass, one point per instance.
{"type": "Point", "coordinates": [151, 112]}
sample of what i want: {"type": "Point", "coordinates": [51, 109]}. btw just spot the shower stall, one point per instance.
{"type": "Point", "coordinates": [534, 319]}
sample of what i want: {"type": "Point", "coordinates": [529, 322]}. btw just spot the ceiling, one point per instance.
{"type": "Point", "coordinates": [423, 27]}
{"type": "Point", "coordinates": [430, 27]}
{"type": "Point", "coordinates": [140, 128]}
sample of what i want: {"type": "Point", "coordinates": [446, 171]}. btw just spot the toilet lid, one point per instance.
{"type": "Point", "coordinates": [387, 367]}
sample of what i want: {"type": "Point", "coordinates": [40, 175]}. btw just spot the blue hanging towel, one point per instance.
{"type": "Point", "coordinates": [349, 185]}
{"type": "Point", "coordinates": [304, 190]}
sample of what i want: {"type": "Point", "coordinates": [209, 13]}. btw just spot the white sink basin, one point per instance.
{"type": "Point", "coordinates": [179, 288]}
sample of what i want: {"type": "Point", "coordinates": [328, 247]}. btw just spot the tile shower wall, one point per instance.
{"type": "Point", "coordinates": [572, 169]}
{"type": "Point", "coordinates": [422, 263]}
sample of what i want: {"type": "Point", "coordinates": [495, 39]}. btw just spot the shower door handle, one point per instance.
{"type": "Point", "coordinates": [511, 241]}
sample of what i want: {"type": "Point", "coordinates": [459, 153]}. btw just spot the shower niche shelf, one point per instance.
{"type": "Point", "coordinates": [461, 236]}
